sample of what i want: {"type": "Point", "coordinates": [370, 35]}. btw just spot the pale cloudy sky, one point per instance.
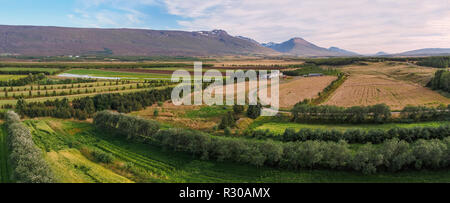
{"type": "Point", "coordinates": [364, 26]}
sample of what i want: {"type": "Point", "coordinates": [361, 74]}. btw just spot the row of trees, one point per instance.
{"type": "Point", "coordinates": [437, 62]}
{"type": "Point", "coordinates": [440, 81]}
{"type": "Point", "coordinates": [356, 136]}
{"type": "Point", "coordinates": [306, 69]}
{"type": "Point", "coordinates": [392, 155]}
{"type": "Point", "coordinates": [379, 113]}
{"type": "Point", "coordinates": [422, 113]}
{"type": "Point", "coordinates": [27, 72]}
{"type": "Point", "coordinates": [23, 81]}
{"type": "Point", "coordinates": [26, 159]}
{"type": "Point", "coordinates": [85, 107]}
{"type": "Point", "coordinates": [135, 128]}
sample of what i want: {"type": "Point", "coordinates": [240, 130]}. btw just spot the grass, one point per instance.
{"type": "Point", "coordinates": [208, 112]}
{"type": "Point", "coordinates": [280, 127]}
{"type": "Point", "coordinates": [154, 164]}
{"type": "Point", "coordinates": [11, 77]}
{"type": "Point", "coordinates": [70, 166]}
{"type": "Point", "coordinates": [19, 69]}
{"type": "Point", "coordinates": [4, 169]}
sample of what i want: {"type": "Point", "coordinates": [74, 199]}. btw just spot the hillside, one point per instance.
{"type": "Point", "coordinates": [300, 47]}
{"type": "Point", "coordinates": [55, 41]}
{"type": "Point", "coordinates": [427, 52]}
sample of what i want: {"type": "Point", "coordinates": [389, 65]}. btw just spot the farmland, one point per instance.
{"type": "Point", "coordinates": [77, 150]}
{"type": "Point", "coordinates": [10, 77]}
{"type": "Point", "coordinates": [153, 164]}
{"type": "Point", "coordinates": [374, 84]}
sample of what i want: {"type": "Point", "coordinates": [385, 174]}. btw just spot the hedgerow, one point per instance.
{"type": "Point", "coordinates": [27, 161]}
{"type": "Point", "coordinates": [356, 136]}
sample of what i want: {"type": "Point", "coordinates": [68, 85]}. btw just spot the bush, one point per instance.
{"type": "Point", "coordinates": [102, 157]}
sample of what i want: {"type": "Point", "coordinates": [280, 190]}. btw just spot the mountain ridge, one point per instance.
{"type": "Point", "coordinates": [54, 41]}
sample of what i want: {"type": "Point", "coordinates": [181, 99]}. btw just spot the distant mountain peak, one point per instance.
{"type": "Point", "coordinates": [300, 47]}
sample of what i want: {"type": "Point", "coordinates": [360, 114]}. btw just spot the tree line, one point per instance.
{"type": "Point", "coordinates": [85, 107]}
{"type": "Point", "coordinates": [379, 113]}
{"type": "Point", "coordinates": [27, 161]}
{"type": "Point", "coordinates": [308, 68]}
{"type": "Point", "coordinates": [392, 155]}
{"type": "Point", "coordinates": [355, 136]}
{"type": "Point", "coordinates": [23, 81]}
{"type": "Point", "coordinates": [436, 62]}
{"type": "Point", "coordinates": [440, 81]}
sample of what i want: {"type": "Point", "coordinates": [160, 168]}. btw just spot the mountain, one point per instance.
{"type": "Point", "coordinates": [53, 41]}
{"type": "Point", "coordinates": [381, 53]}
{"type": "Point", "coordinates": [300, 47]}
{"type": "Point", "coordinates": [427, 52]}
{"type": "Point", "coordinates": [339, 50]}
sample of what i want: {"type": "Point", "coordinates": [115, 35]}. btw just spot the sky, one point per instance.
{"type": "Point", "coordinates": [363, 26]}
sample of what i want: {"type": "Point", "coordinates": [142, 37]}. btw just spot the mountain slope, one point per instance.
{"type": "Point", "coordinates": [427, 52]}
{"type": "Point", "coordinates": [51, 41]}
{"type": "Point", "coordinates": [300, 47]}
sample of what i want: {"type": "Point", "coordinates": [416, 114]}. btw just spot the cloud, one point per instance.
{"type": "Point", "coordinates": [110, 13]}
{"type": "Point", "coordinates": [366, 26]}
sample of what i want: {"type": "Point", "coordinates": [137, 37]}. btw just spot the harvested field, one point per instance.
{"type": "Point", "coordinates": [375, 89]}
{"type": "Point", "coordinates": [302, 88]}
{"type": "Point", "coordinates": [398, 71]}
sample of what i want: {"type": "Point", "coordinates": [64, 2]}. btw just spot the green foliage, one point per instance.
{"type": "Point", "coordinates": [23, 81]}
{"type": "Point", "coordinates": [228, 120]}
{"type": "Point", "coordinates": [437, 62]}
{"type": "Point", "coordinates": [102, 157]}
{"type": "Point", "coordinates": [379, 113]}
{"type": "Point", "coordinates": [307, 68]}
{"type": "Point", "coordinates": [254, 111]}
{"type": "Point", "coordinates": [238, 109]}
{"type": "Point", "coordinates": [87, 106]}
{"type": "Point", "coordinates": [441, 81]}
{"type": "Point", "coordinates": [356, 136]}
{"type": "Point", "coordinates": [133, 127]}
{"type": "Point", "coordinates": [25, 157]}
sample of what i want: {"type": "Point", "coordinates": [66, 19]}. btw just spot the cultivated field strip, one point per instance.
{"type": "Point", "coordinates": [75, 90]}
{"type": "Point", "coordinates": [4, 171]}
{"type": "Point", "coordinates": [72, 97]}
{"type": "Point", "coordinates": [156, 167]}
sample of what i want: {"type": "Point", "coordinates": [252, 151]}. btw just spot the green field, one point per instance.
{"type": "Point", "coordinates": [146, 163]}
{"type": "Point", "coordinates": [18, 69]}
{"type": "Point", "coordinates": [280, 127]}
{"type": "Point", "coordinates": [4, 169]}
{"type": "Point", "coordinates": [11, 77]}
